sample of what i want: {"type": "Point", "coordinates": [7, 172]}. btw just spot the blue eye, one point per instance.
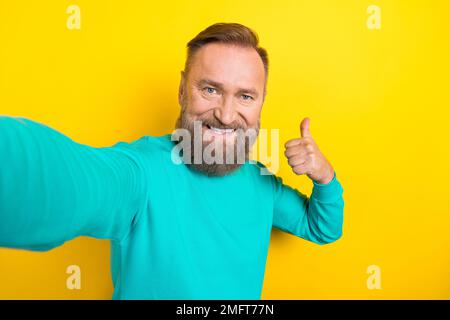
{"type": "Point", "coordinates": [210, 90]}
{"type": "Point", "coordinates": [247, 97]}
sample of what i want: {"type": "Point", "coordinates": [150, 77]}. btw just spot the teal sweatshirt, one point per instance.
{"type": "Point", "coordinates": [175, 233]}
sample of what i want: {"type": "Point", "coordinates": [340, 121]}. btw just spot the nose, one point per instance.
{"type": "Point", "coordinates": [226, 112]}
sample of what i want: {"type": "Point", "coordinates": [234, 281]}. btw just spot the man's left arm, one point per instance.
{"type": "Point", "coordinates": [318, 218]}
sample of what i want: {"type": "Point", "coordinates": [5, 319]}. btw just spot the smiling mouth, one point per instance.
{"type": "Point", "coordinates": [220, 130]}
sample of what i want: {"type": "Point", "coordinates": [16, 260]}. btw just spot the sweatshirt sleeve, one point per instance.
{"type": "Point", "coordinates": [318, 218]}
{"type": "Point", "coordinates": [53, 189]}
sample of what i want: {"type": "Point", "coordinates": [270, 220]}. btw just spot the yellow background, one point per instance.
{"type": "Point", "coordinates": [378, 102]}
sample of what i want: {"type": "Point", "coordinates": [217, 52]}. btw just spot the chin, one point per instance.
{"type": "Point", "coordinates": [215, 170]}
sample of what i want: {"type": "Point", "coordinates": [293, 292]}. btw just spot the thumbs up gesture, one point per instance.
{"type": "Point", "coordinates": [304, 156]}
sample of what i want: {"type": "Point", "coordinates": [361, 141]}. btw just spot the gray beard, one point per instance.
{"type": "Point", "coordinates": [242, 144]}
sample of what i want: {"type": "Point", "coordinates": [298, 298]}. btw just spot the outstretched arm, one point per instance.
{"type": "Point", "coordinates": [53, 189]}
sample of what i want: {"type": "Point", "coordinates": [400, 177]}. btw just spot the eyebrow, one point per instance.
{"type": "Point", "coordinates": [219, 85]}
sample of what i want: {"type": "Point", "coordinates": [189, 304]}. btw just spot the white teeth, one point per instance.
{"type": "Point", "coordinates": [221, 131]}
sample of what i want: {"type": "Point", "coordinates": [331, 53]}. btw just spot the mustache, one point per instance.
{"type": "Point", "coordinates": [213, 122]}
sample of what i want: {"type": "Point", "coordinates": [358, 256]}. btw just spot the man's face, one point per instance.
{"type": "Point", "coordinates": [224, 89]}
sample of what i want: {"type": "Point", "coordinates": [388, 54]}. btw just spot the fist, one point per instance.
{"type": "Point", "coordinates": [304, 156]}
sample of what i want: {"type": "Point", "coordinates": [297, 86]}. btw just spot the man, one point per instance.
{"type": "Point", "coordinates": [198, 230]}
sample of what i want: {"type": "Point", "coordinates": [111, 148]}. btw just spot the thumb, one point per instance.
{"type": "Point", "coordinates": [304, 128]}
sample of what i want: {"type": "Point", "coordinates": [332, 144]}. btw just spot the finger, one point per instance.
{"type": "Point", "coordinates": [296, 150]}
{"type": "Point", "coordinates": [304, 128]}
{"type": "Point", "coordinates": [292, 142]}
{"type": "Point", "coordinates": [296, 161]}
{"type": "Point", "coordinates": [303, 146]}
{"type": "Point", "coordinates": [301, 169]}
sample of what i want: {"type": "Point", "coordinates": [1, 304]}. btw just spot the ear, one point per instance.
{"type": "Point", "coordinates": [181, 91]}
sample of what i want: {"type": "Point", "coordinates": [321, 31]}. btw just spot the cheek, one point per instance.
{"type": "Point", "coordinates": [198, 105]}
{"type": "Point", "coordinates": [250, 115]}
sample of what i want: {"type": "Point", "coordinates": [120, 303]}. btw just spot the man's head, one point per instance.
{"type": "Point", "coordinates": [223, 86]}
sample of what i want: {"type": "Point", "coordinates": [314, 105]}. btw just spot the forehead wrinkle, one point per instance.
{"type": "Point", "coordinates": [214, 67]}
